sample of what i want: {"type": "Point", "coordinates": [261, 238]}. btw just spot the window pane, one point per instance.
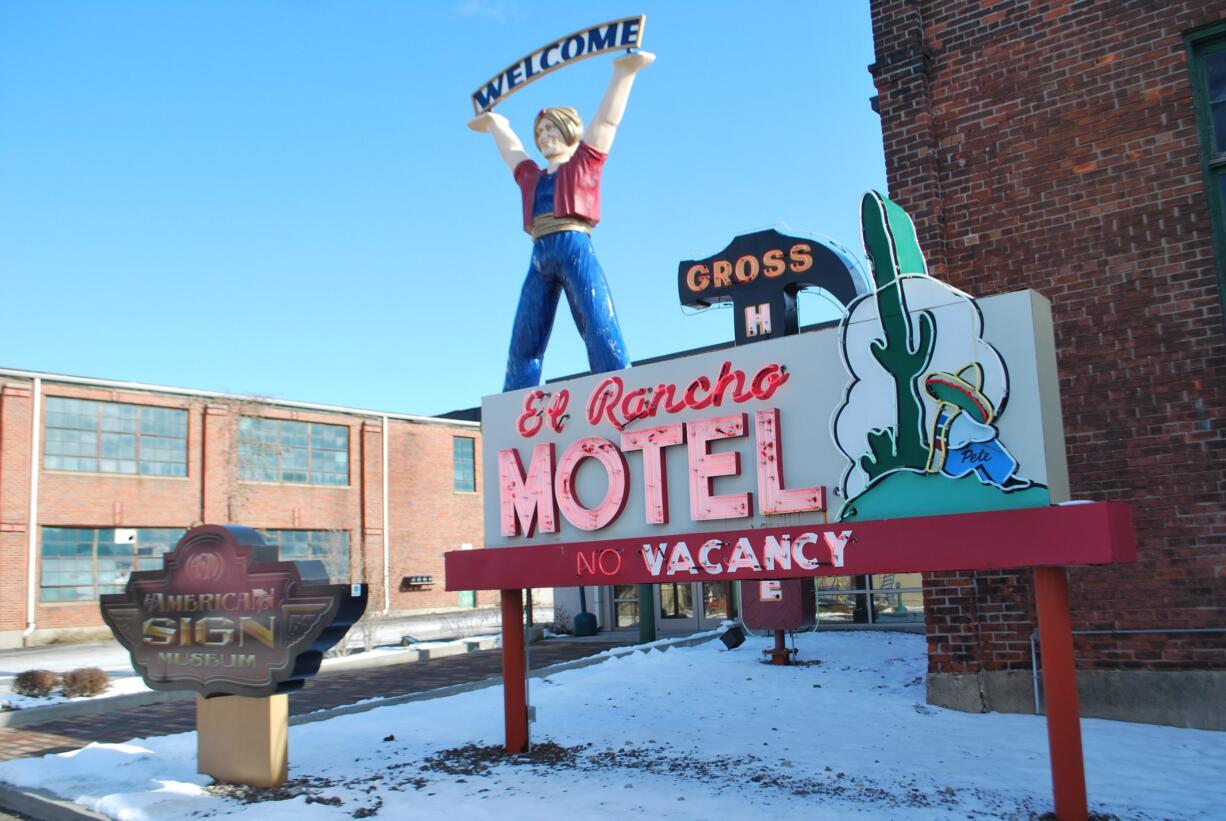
{"type": "Point", "coordinates": [841, 583]}
{"type": "Point", "coordinates": [328, 546]}
{"type": "Point", "coordinates": [107, 437]}
{"type": "Point", "coordinates": [895, 581]}
{"type": "Point", "coordinates": [715, 600]}
{"type": "Point", "coordinates": [79, 564]}
{"type": "Point", "coordinates": [849, 609]}
{"type": "Point", "coordinates": [898, 607]}
{"type": "Point", "coordinates": [626, 591]}
{"type": "Point", "coordinates": [676, 601]}
{"type": "Point", "coordinates": [282, 450]}
{"type": "Point", "coordinates": [463, 458]}
{"type": "Point", "coordinates": [627, 613]}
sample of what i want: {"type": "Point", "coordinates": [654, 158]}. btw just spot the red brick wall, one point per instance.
{"type": "Point", "coordinates": [1053, 146]}
{"type": "Point", "coordinates": [16, 405]}
{"type": "Point", "coordinates": [427, 515]}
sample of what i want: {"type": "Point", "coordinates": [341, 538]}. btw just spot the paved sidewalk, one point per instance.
{"type": "Point", "coordinates": [114, 659]}
{"type": "Point", "coordinates": [328, 690]}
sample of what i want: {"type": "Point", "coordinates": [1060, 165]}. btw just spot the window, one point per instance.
{"type": "Point", "coordinates": [109, 437]}
{"type": "Point", "coordinates": [1207, 61]}
{"type": "Point", "coordinates": [278, 450]}
{"type": "Point", "coordinates": [626, 605]}
{"type": "Point", "coordinates": [677, 600]}
{"type": "Point", "coordinates": [79, 564]}
{"type": "Point", "coordinates": [463, 460]}
{"type": "Point", "coordinates": [894, 598]}
{"type": "Point", "coordinates": [328, 546]}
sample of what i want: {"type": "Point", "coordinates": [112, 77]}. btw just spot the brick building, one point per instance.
{"type": "Point", "coordinates": [121, 470]}
{"type": "Point", "coordinates": [1079, 149]}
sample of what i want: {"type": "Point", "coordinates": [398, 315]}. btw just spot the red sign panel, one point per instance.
{"type": "Point", "coordinates": [1091, 533]}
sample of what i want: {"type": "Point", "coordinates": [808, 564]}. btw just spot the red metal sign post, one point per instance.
{"type": "Point", "coordinates": [514, 690]}
{"type": "Point", "coordinates": [1068, 780]}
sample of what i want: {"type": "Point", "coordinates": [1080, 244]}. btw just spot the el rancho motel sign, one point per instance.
{"type": "Point", "coordinates": [923, 433]}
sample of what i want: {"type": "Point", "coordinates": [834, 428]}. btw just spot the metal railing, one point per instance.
{"type": "Point", "coordinates": [1034, 658]}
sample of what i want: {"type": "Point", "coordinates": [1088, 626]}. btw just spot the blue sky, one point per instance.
{"type": "Point", "coordinates": [282, 199]}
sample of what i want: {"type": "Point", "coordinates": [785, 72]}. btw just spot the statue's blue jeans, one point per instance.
{"type": "Point", "coordinates": [563, 261]}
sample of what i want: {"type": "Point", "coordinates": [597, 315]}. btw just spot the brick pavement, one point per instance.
{"type": "Point", "coordinates": [323, 692]}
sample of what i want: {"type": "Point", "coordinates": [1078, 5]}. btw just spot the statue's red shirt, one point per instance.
{"type": "Point", "coordinates": [576, 193]}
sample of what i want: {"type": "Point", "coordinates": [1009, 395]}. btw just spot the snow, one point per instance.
{"type": "Point", "coordinates": [688, 733]}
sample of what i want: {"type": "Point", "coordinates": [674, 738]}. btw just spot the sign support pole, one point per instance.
{"type": "Point", "coordinates": [514, 691]}
{"type": "Point", "coordinates": [1060, 694]}
{"type": "Point", "coordinates": [647, 614]}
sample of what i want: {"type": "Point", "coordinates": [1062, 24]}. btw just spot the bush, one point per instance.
{"type": "Point", "coordinates": [37, 683]}
{"type": "Point", "coordinates": [85, 681]}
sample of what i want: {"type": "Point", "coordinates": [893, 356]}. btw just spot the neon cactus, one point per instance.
{"type": "Point", "coordinates": [894, 252]}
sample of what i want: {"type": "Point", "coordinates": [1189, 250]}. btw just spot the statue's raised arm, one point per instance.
{"type": "Point", "coordinates": [603, 127]}
{"type": "Point", "coordinates": [508, 142]}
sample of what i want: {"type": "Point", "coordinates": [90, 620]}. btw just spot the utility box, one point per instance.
{"type": "Point", "coordinates": [784, 604]}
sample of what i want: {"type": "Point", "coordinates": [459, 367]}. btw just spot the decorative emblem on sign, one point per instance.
{"type": "Point", "coordinates": [205, 567]}
{"type": "Point", "coordinates": [561, 203]}
{"type": "Point", "coordinates": [761, 274]}
{"type": "Point", "coordinates": [908, 366]}
{"type": "Point", "coordinates": [223, 616]}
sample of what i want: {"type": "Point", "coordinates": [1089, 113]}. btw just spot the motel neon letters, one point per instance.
{"type": "Point", "coordinates": [532, 499]}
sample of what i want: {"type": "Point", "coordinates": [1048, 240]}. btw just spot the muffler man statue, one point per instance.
{"type": "Point", "coordinates": [561, 204]}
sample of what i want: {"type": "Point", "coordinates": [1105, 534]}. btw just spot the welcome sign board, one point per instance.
{"type": "Point", "coordinates": [604, 37]}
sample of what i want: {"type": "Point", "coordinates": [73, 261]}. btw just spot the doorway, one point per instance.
{"type": "Point", "coordinates": [681, 607]}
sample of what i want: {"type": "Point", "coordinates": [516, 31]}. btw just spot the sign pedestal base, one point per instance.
{"type": "Point", "coordinates": [243, 740]}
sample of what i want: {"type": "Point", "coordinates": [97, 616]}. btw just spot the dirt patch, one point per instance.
{"type": "Point", "coordinates": [364, 796]}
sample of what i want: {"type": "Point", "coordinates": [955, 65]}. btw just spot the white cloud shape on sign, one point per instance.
{"type": "Point", "coordinates": [869, 402]}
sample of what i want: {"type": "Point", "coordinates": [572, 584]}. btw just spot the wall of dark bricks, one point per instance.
{"type": "Point", "coordinates": [1053, 146]}
{"type": "Point", "coordinates": [427, 515]}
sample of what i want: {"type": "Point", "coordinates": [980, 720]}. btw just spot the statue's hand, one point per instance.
{"type": "Point", "coordinates": [486, 122]}
{"type": "Point", "coordinates": [634, 62]}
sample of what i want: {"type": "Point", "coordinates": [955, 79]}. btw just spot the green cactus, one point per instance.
{"type": "Point", "coordinates": [894, 252]}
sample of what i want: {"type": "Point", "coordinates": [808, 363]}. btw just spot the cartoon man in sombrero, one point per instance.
{"type": "Point", "coordinates": [963, 437]}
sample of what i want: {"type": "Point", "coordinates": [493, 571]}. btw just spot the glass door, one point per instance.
{"type": "Point", "coordinates": [676, 607]}
{"type": "Point", "coordinates": [681, 607]}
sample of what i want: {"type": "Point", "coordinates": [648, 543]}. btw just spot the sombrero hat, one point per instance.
{"type": "Point", "coordinates": [953, 389]}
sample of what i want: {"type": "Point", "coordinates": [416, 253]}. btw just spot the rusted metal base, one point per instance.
{"type": "Point", "coordinates": [780, 654]}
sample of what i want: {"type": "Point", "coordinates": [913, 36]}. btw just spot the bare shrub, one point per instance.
{"type": "Point", "coordinates": [37, 683]}
{"type": "Point", "coordinates": [85, 681]}
{"type": "Point", "coordinates": [466, 623]}
{"type": "Point", "coordinates": [561, 621]}
{"type": "Point", "coordinates": [362, 636]}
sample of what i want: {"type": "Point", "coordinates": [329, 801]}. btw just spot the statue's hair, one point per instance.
{"type": "Point", "coordinates": [565, 118]}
